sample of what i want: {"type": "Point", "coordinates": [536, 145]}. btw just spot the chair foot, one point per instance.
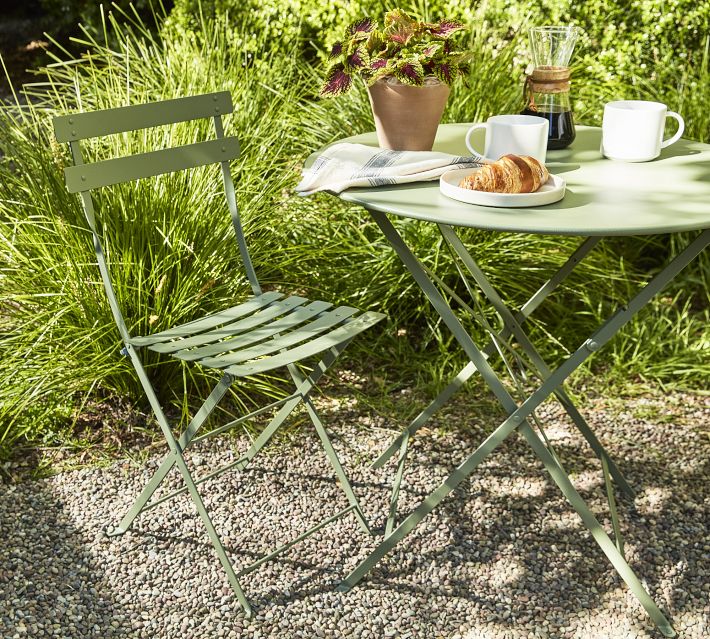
{"type": "Point", "coordinates": [343, 587]}
{"type": "Point", "coordinates": [115, 531]}
{"type": "Point", "coordinates": [667, 631]}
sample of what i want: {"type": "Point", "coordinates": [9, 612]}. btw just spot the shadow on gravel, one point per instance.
{"type": "Point", "coordinates": [50, 585]}
{"type": "Point", "coordinates": [504, 556]}
{"type": "Point", "coordinates": [534, 559]}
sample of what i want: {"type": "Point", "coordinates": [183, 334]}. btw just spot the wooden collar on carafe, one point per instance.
{"type": "Point", "coordinates": [549, 79]}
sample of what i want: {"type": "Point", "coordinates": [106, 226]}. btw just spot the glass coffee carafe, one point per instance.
{"type": "Point", "coordinates": [547, 87]}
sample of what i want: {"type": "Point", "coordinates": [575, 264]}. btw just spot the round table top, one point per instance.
{"type": "Point", "coordinates": [603, 197]}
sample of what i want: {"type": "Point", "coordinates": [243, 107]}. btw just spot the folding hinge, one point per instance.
{"type": "Point", "coordinates": [124, 351]}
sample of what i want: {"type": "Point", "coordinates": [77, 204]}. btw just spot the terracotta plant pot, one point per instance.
{"type": "Point", "coordinates": [406, 117]}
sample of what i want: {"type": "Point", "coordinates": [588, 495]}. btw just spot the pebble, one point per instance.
{"type": "Point", "coordinates": [503, 557]}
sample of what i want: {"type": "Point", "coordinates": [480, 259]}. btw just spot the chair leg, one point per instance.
{"type": "Point", "coordinates": [176, 450]}
{"type": "Point", "coordinates": [212, 533]}
{"type": "Point", "coordinates": [337, 466]}
{"type": "Point", "coordinates": [303, 387]}
{"type": "Point", "coordinates": [396, 484]}
{"type": "Point", "coordinates": [159, 475]}
{"type": "Point", "coordinates": [197, 421]}
{"type": "Point", "coordinates": [298, 379]}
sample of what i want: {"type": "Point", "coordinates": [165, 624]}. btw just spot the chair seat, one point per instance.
{"type": "Point", "coordinates": [266, 332]}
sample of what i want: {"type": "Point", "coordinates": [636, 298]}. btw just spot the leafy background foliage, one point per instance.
{"type": "Point", "coordinates": [171, 249]}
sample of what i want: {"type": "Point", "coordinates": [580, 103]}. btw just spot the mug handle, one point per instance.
{"type": "Point", "coordinates": [679, 132]}
{"type": "Point", "coordinates": [481, 125]}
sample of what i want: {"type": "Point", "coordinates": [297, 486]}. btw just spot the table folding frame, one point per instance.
{"type": "Point", "coordinates": [519, 415]}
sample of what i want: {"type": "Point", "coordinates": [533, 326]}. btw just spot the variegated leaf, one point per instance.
{"type": "Point", "coordinates": [337, 81]}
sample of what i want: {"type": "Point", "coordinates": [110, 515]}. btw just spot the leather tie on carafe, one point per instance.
{"type": "Point", "coordinates": [548, 80]}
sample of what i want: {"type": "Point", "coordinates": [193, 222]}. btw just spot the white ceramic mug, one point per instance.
{"type": "Point", "coordinates": [632, 130]}
{"type": "Point", "coordinates": [518, 134]}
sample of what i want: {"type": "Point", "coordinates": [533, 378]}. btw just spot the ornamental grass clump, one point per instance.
{"type": "Point", "coordinates": [405, 49]}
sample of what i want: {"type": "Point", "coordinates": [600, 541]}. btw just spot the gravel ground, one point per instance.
{"type": "Point", "coordinates": [503, 557]}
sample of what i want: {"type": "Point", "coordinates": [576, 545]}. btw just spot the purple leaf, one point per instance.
{"type": "Point", "coordinates": [378, 64]}
{"type": "Point", "coordinates": [443, 72]}
{"type": "Point", "coordinates": [356, 60]}
{"type": "Point", "coordinates": [365, 25]}
{"type": "Point", "coordinates": [336, 50]}
{"type": "Point", "coordinates": [410, 73]}
{"type": "Point", "coordinates": [337, 81]}
{"type": "Point", "coordinates": [446, 28]}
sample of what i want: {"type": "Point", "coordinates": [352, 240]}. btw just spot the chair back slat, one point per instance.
{"type": "Point", "coordinates": [84, 177]}
{"type": "Point", "coordinates": [78, 126]}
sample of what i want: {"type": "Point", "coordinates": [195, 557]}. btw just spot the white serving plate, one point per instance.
{"type": "Point", "coordinates": [552, 191]}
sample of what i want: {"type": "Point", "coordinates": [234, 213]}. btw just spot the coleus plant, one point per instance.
{"type": "Point", "coordinates": [404, 48]}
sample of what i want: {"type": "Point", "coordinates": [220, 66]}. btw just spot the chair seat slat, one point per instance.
{"type": "Point", "coordinates": [206, 323]}
{"type": "Point", "coordinates": [232, 328]}
{"type": "Point", "coordinates": [299, 316]}
{"type": "Point", "coordinates": [341, 334]}
{"type": "Point", "coordinates": [85, 177]}
{"type": "Point", "coordinates": [320, 325]}
{"type": "Point", "coordinates": [78, 126]}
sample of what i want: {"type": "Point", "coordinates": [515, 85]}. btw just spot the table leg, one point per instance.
{"type": "Point", "coordinates": [517, 415]}
{"type": "Point", "coordinates": [433, 499]}
{"type": "Point", "coordinates": [401, 442]}
{"type": "Point", "coordinates": [561, 479]}
{"type": "Point", "coordinates": [462, 377]}
{"type": "Point", "coordinates": [514, 327]}
{"type": "Point", "coordinates": [598, 533]}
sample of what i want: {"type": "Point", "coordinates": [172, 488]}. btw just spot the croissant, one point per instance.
{"type": "Point", "coordinates": [510, 174]}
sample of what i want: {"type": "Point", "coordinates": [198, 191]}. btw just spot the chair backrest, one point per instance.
{"type": "Point", "coordinates": [84, 177]}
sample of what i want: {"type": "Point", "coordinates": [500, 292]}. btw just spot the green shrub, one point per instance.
{"type": "Point", "coordinates": [630, 49]}
{"type": "Point", "coordinates": [57, 335]}
{"type": "Point", "coordinates": [61, 16]}
{"type": "Point", "coordinates": [57, 339]}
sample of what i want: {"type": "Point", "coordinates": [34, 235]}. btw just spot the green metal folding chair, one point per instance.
{"type": "Point", "coordinates": [266, 332]}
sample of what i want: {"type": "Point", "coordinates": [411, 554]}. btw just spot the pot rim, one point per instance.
{"type": "Point", "coordinates": [397, 82]}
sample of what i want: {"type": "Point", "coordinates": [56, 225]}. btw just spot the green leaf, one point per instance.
{"type": "Point", "coordinates": [399, 27]}
{"type": "Point", "coordinates": [376, 42]}
{"type": "Point", "coordinates": [432, 49]}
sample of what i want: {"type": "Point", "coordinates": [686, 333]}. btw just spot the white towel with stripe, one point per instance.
{"type": "Point", "coordinates": [346, 165]}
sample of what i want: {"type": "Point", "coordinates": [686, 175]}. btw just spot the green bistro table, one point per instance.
{"type": "Point", "coordinates": [603, 199]}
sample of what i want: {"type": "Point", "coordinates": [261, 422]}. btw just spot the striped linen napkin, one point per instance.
{"type": "Point", "coordinates": [345, 165]}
